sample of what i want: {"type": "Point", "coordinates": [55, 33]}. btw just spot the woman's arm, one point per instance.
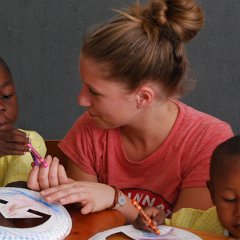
{"type": "Point", "coordinates": [92, 196]}
{"type": "Point", "coordinates": [74, 172]}
{"type": "Point", "coordinates": [198, 198]}
{"type": "Point", "coordinates": [84, 188]}
{"type": "Point", "coordinates": [81, 187]}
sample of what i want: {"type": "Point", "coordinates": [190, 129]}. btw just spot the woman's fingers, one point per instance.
{"type": "Point", "coordinates": [91, 195]}
{"type": "Point", "coordinates": [43, 174]}
{"type": "Point", "coordinates": [62, 175]}
{"type": "Point", "coordinates": [43, 178]}
{"type": "Point", "coordinates": [87, 208]}
{"type": "Point", "coordinates": [53, 173]}
{"type": "Point", "coordinates": [32, 182]}
{"type": "Point", "coordinates": [65, 194]}
{"type": "Point", "coordinates": [56, 193]}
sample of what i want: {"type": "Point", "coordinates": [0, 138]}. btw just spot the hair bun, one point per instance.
{"type": "Point", "coordinates": [179, 20]}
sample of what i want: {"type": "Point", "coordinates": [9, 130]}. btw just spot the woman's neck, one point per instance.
{"type": "Point", "coordinates": [147, 133]}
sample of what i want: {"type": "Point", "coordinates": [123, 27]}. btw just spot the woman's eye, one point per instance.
{"type": "Point", "coordinates": [93, 92]}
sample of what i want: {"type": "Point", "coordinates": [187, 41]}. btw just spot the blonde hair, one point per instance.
{"type": "Point", "coordinates": [146, 43]}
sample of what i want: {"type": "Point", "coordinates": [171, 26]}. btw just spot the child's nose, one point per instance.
{"type": "Point", "coordinates": [84, 98]}
{"type": "Point", "coordinates": [2, 106]}
{"type": "Point", "coordinates": [237, 208]}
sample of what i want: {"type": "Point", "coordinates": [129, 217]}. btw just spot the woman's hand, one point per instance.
{"type": "Point", "coordinates": [42, 178]}
{"type": "Point", "coordinates": [92, 196]}
{"type": "Point", "coordinates": [13, 142]}
{"type": "Point", "coordinates": [156, 214]}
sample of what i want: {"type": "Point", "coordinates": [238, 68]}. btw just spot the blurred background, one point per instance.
{"type": "Point", "coordinates": [40, 41]}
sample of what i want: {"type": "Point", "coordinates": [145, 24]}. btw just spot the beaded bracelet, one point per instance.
{"type": "Point", "coordinates": [115, 200]}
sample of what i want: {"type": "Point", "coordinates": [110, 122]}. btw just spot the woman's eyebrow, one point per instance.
{"type": "Point", "coordinates": [93, 89]}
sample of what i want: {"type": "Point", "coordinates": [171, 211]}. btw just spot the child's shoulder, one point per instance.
{"type": "Point", "coordinates": [37, 141]}
{"type": "Point", "coordinates": [209, 222]}
{"type": "Point", "coordinates": [206, 221]}
{"type": "Point", "coordinates": [33, 135]}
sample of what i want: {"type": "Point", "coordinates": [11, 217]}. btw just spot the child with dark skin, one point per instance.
{"type": "Point", "coordinates": [15, 162]}
{"type": "Point", "coordinates": [224, 187]}
{"type": "Point", "coordinates": [12, 140]}
{"type": "Point", "coordinates": [224, 184]}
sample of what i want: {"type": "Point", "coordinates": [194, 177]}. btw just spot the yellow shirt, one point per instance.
{"type": "Point", "coordinates": [206, 221]}
{"type": "Point", "coordinates": [15, 168]}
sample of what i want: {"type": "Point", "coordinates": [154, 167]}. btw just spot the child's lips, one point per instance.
{"type": "Point", "coordinates": [237, 226]}
{"type": "Point", "coordinates": [4, 126]}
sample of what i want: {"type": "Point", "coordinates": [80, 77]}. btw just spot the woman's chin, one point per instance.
{"type": "Point", "coordinates": [103, 124]}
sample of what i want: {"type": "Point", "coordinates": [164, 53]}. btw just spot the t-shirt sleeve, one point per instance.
{"type": "Point", "coordinates": [78, 144]}
{"type": "Point", "coordinates": [196, 170]}
{"type": "Point", "coordinates": [38, 143]}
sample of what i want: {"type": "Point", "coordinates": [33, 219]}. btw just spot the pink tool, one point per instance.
{"type": "Point", "coordinates": [36, 156]}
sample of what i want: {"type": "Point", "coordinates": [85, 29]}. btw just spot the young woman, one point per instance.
{"type": "Point", "coordinates": [136, 139]}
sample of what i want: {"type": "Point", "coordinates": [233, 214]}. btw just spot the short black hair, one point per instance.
{"type": "Point", "coordinates": [4, 65]}
{"type": "Point", "coordinates": [225, 154]}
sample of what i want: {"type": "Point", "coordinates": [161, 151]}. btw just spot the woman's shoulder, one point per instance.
{"type": "Point", "coordinates": [191, 114]}
{"type": "Point", "coordinates": [194, 124]}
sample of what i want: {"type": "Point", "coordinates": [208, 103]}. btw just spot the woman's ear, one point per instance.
{"type": "Point", "coordinates": [144, 96]}
{"type": "Point", "coordinates": [211, 190]}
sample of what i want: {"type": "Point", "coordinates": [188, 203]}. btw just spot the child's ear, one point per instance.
{"type": "Point", "coordinates": [211, 190]}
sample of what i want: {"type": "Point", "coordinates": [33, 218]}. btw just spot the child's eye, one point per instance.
{"type": "Point", "coordinates": [229, 200]}
{"type": "Point", "coordinates": [6, 96]}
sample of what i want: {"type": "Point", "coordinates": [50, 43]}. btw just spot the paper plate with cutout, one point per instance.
{"type": "Point", "coordinates": [25, 215]}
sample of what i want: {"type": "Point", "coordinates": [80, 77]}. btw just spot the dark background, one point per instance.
{"type": "Point", "coordinates": [40, 41]}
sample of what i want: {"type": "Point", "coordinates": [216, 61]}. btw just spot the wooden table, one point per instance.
{"type": "Point", "coordinates": [86, 226]}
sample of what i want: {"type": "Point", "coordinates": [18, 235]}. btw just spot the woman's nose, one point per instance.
{"type": "Point", "coordinates": [84, 98]}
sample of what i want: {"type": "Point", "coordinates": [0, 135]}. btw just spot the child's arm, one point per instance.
{"type": "Point", "coordinates": [12, 142]}
{"type": "Point", "coordinates": [156, 214]}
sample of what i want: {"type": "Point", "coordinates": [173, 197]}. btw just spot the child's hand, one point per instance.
{"type": "Point", "coordinates": [12, 142]}
{"type": "Point", "coordinates": [156, 214]}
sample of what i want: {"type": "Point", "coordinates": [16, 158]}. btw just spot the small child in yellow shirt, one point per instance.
{"type": "Point", "coordinates": [15, 159]}
{"type": "Point", "coordinates": [224, 187]}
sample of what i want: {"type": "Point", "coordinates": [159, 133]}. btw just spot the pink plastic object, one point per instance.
{"type": "Point", "coordinates": [37, 155]}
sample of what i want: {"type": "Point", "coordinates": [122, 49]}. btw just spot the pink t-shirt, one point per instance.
{"type": "Point", "coordinates": [181, 161]}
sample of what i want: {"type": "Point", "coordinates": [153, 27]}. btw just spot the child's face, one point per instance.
{"type": "Point", "coordinates": [8, 101]}
{"type": "Point", "coordinates": [226, 197]}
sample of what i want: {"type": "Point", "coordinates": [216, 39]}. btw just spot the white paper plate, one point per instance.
{"type": "Point", "coordinates": [26, 216]}
{"type": "Point", "coordinates": [167, 233]}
